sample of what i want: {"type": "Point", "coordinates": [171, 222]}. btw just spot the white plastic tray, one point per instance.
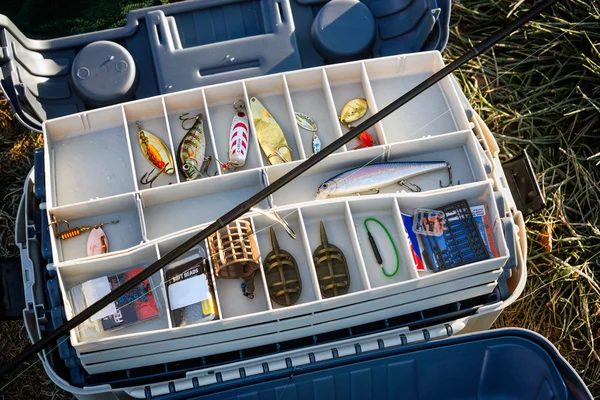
{"type": "Point", "coordinates": [94, 164]}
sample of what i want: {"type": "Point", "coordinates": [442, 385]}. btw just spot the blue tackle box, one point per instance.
{"type": "Point", "coordinates": [417, 336]}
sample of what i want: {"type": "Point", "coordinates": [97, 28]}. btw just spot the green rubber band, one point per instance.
{"type": "Point", "coordinates": [391, 241]}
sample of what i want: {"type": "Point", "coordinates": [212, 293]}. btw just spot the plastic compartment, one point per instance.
{"type": "Point", "coordinates": [311, 95]}
{"type": "Point", "coordinates": [475, 194]}
{"type": "Point", "coordinates": [220, 101]}
{"type": "Point", "coordinates": [297, 248]}
{"type": "Point", "coordinates": [273, 94]}
{"type": "Point", "coordinates": [338, 225]}
{"type": "Point", "coordinates": [73, 274]}
{"type": "Point", "coordinates": [87, 157]}
{"type": "Point", "coordinates": [459, 149]}
{"type": "Point", "coordinates": [233, 302]}
{"type": "Point", "coordinates": [347, 82]}
{"type": "Point", "coordinates": [151, 116]}
{"type": "Point", "coordinates": [125, 234]}
{"type": "Point", "coordinates": [435, 111]}
{"type": "Point", "coordinates": [386, 211]}
{"type": "Point", "coordinates": [191, 103]}
{"type": "Point", "coordinates": [304, 188]}
{"type": "Point", "coordinates": [171, 209]}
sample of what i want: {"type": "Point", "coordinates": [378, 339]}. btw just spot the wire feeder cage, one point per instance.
{"type": "Point", "coordinates": [234, 251]}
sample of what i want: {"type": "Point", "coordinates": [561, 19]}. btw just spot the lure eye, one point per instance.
{"type": "Point", "coordinates": [186, 167]}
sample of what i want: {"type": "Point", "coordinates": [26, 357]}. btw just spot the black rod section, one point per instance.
{"type": "Point", "coordinates": [245, 206]}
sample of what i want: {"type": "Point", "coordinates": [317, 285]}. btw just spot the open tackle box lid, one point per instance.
{"type": "Point", "coordinates": [169, 48]}
{"type": "Point", "coordinates": [498, 364]}
{"type": "Point", "coordinates": [195, 43]}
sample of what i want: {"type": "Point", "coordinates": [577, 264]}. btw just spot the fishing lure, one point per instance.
{"type": "Point", "coordinates": [282, 274]}
{"type": "Point", "coordinates": [308, 124]}
{"type": "Point", "coordinates": [371, 178]}
{"type": "Point", "coordinates": [352, 111]}
{"type": "Point", "coordinates": [97, 242]}
{"type": "Point", "coordinates": [157, 154]}
{"type": "Point", "coordinates": [270, 136]}
{"type": "Point", "coordinates": [192, 149]}
{"type": "Point", "coordinates": [238, 138]}
{"type": "Point", "coordinates": [331, 267]}
{"type": "Point", "coordinates": [365, 140]}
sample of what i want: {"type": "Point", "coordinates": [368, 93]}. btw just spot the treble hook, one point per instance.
{"type": "Point", "coordinates": [148, 179]}
{"type": "Point", "coordinates": [277, 153]}
{"type": "Point", "coordinates": [449, 177]}
{"type": "Point", "coordinates": [183, 119]}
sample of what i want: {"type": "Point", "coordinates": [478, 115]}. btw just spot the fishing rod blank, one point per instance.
{"type": "Point", "coordinates": [245, 206]}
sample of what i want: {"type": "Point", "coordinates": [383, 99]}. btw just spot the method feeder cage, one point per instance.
{"type": "Point", "coordinates": [246, 205]}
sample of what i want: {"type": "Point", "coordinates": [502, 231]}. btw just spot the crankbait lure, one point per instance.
{"type": "Point", "coordinates": [270, 136]}
{"type": "Point", "coordinates": [157, 154]}
{"type": "Point", "coordinates": [352, 111]}
{"type": "Point", "coordinates": [192, 148]}
{"type": "Point", "coordinates": [238, 138]}
{"type": "Point", "coordinates": [308, 124]}
{"type": "Point", "coordinates": [282, 274]}
{"type": "Point", "coordinates": [371, 178]}
{"type": "Point", "coordinates": [331, 267]}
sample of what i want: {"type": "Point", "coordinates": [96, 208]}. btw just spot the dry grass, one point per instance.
{"type": "Point", "coordinates": [534, 92]}
{"type": "Point", "coordinates": [538, 92]}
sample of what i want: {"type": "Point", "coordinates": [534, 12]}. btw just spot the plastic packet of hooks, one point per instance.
{"type": "Point", "coordinates": [126, 163]}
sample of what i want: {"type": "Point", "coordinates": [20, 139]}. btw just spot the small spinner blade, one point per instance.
{"type": "Point", "coordinates": [282, 275]}
{"type": "Point", "coordinates": [331, 267]}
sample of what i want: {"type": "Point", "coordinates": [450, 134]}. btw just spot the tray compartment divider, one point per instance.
{"type": "Point", "coordinates": [130, 151]}
{"type": "Point", "coordinates": [335, 122]}
{"type": "Point", "coordinates": [362, 268]}
{"type": "Point", "coordinates": [292, 116]}
{"type": "Point", "coordinates": [213, 279]}
{"type": "Point", "coordinates": [211, 134]}
{"type": "Point", "coordinates": [163, 283]}
{"type": "Point", "coordinates": [366, 84]}
{"type": "Point", "coordinates": [254, 137]}
{"type": "Point", "coordinates": [260, 270]}
{"type": "Point", "coordinates": [404, 243]}
{"type": "Point", "coordinates": [309, 256]}
{"type": "Point", "coordinates": [171, 143]}
{"type": "Point", "coordinates": [140, 207]}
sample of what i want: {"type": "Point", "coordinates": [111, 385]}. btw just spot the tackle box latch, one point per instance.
{"type": "Point", "coordinates": [523, 185]}
{"type": "Point", "coordinates": [11, 289]}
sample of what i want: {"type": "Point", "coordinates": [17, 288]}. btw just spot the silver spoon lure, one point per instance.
{"type": "Point", "coordinates": [307, 123]}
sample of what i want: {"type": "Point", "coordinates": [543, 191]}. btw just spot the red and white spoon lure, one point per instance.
{"type": "Point", "coordinates": [239, 136]}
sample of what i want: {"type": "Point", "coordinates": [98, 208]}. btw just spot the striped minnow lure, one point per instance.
{"type": "Point", "coordinates": [192, 148]}
{"type": "Point", "coordinates": [371, 178]}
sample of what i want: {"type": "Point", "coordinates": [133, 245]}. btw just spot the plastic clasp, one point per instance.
{"type": "Point", "coordinates": [523, 185]}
